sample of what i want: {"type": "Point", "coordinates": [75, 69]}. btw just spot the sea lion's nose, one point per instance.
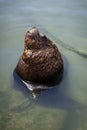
{"type": "Point", "coordinates": [34, 31]}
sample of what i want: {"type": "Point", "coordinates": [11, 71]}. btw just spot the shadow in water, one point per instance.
{"type": "Point", "coordinates": [59, 97]}
{"type": "Point", "coordinates": [19, 85]}
{"type": "Point", "coordinates": [34, 88]}
{"type": "Point", "coordinates": [53, 98]}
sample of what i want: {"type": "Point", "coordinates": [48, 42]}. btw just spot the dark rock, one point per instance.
{"type": "Point", "coordinates": [41, 60]}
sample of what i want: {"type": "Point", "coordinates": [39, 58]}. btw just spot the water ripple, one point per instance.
{"type": "Point", "coordinates": [64, 45]}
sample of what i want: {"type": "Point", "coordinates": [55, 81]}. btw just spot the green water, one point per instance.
{"type": "Point", "coordinates": [65, 106]}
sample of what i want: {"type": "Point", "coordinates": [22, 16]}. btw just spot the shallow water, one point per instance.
{"type": "Point", "coordinates": [65, 106]}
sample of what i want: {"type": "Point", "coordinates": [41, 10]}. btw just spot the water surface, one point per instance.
{"type": "Point", "coordinates": [65, 106]}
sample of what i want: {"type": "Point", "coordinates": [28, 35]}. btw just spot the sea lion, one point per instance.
{"type": "Point", "coordinates": [41, 60]}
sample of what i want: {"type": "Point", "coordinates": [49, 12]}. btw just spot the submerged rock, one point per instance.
{"type": "Point", "coordinates": [41, 61]}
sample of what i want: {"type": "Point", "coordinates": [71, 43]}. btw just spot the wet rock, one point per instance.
{"type": "Point", "coordinates": [41, 60]}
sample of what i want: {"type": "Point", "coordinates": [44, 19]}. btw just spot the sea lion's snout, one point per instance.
{"type": "Point", "coordinates": [32, 33]}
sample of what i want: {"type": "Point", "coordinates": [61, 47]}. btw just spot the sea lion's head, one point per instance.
{"type": "Point", "coordinates": [34, 40]}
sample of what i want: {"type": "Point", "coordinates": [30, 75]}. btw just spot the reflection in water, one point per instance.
{"type": "Point", "coordinates": [34, 88]}
{"type": "Point", "coordinates": [54, 97]}
{"type": "Point", "coordinates": [50, 98]}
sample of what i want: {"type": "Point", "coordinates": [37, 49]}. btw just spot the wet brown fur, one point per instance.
{"type": "Point", "coordinates": [41, 60]}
